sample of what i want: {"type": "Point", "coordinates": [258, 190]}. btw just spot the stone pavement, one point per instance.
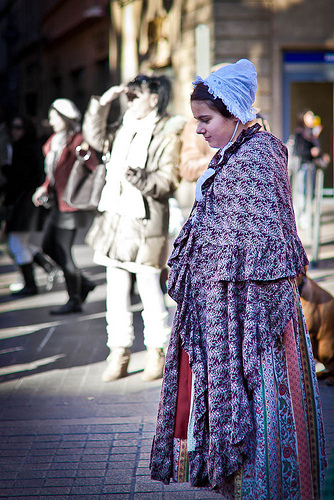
{"type": "Point", "coordinates": [63, 433]}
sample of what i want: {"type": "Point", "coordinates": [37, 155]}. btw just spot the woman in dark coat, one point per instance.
{"type": "Point", "coordinates": [22, 177]}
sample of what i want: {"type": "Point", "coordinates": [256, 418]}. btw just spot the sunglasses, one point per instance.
{"type": "Point", "coordinates": [131, 96]}
{"type": "Point", "coordinates": [17, 127]}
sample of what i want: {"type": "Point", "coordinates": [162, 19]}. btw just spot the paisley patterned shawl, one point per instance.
{"type": "Point", "coordinates": [245, 221]}
{"type": "Point", "coordinates": [230, 271]}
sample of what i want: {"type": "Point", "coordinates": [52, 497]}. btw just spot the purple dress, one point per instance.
{"type": "Point", "coordinates": [255, 429]}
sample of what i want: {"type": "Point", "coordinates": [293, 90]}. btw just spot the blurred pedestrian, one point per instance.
{"type": "Point", "coordinates": [240, 410]}
{"type": "Point", "coordinates": [308, 151]}
{"type": "Point", "coordinates": [194, 158]}
{"type": "Point", "coordinates": [23, 175]}
{"type": "Point", "coordinates": [59, 236]}
{"type": "Point", "coordinates": [131, 234]}
{"type": "Point", "coordinates": [307, 146]}
{"type": "Point", "coordinates": [5, 149]}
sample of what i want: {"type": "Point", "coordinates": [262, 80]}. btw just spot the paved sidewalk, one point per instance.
{"type": "Point", "coordinates": [65, 434]}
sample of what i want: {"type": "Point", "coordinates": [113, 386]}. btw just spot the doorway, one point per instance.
{"type": "Point", "coordinates": [318, 97]}
{"type": "Point", "coordinates": [308, 83]}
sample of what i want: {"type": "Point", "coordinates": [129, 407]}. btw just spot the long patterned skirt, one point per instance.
{"type": "Point", "coordinates": [290, 456]}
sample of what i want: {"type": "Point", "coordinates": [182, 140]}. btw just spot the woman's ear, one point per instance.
{"type": "Point", "coordinates": [154, 100]}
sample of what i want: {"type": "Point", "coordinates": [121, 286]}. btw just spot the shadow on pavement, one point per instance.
{"type": "Point", "coordinates": [55, 347]}
{"type": "Point", "coordinates": [63, 343]}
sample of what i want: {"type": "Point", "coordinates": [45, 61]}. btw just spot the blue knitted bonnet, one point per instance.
{"type": "Point", "coordinates": [236, 85]}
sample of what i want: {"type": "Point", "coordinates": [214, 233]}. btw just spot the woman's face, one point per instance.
{"type": "Point", "coordinates": [17, 129]}
{"type": "Point", "coordinates": [142, 102]}
{"type": "Point", "coordinates": [56, 121]}
{"type": "Point", "coordinates": [215, 128]}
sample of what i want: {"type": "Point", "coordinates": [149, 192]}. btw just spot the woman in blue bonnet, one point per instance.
{"type": "Point", "coordinates": [239, 411]}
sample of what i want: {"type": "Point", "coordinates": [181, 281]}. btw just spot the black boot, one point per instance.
{"type": "Point", "coordinates": [73, 284]}
{"type": "Point", "coordinates": [86, 287]}
{"type": "Point", "coordinates": [30, 287]}
{"type": "Point", "coordinates": [49, 268]}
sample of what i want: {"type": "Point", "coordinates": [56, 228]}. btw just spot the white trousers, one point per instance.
{"type": "Point", "coordinates": [20, 247]}
{"type": "Point", "coordinates": [119, 317]}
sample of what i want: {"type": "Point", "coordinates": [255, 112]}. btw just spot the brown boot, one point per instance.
{"type": "Point", "coordinates": [118, 361]}
{"type": "Point", "coordinates": [155, 364]}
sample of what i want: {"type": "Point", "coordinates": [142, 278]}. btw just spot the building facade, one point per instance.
{"type": "Point", "coordinates": [76, 48]}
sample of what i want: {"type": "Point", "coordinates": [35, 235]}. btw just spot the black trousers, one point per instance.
{"type": "Point", "coordinates": [58, 244]}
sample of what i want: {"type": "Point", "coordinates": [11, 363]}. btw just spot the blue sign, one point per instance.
{"type": "Point", "coordinates": [320, 57]}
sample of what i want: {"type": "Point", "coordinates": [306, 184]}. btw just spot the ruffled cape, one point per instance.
{"type": "Point", "coordinates": [230, 276]}
{"type": "Point", "coordinates": [245, 223]}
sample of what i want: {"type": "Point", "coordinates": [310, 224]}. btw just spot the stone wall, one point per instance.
{"type": "Point", "coordinates": [243, 29]}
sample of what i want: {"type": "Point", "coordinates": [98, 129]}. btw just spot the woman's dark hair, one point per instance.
{"type": "Point", "coordinates": [159, 85]}
{"type": "Point", "coordinates": [72, 126]}
{"type": "Point", "coordinates": [201, 93]}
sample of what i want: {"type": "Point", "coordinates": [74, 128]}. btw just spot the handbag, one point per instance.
{"type": "Point", "coordinates": [84, 186]}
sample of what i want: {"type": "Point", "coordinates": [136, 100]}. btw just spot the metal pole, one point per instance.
{"type": "Point", "coordinates": [319, 182]}
{"type": "Point", "coordinates": [295, 167]}
{"type": "Point", "coordinates": [309, 196]}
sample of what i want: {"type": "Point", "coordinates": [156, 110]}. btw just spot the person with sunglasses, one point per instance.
{"type": "Point", "coordinates": [131, 233]}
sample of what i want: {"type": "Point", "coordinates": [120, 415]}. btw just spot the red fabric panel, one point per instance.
{"type": "Point", "coordinates": [183, 397]}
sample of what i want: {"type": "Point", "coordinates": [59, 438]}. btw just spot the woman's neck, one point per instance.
{"type": "Point", "coordinates": [240, 128]}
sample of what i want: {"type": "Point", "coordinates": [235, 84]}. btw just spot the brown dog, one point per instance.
{"type": "Point", "coordinates": [318, 309]}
